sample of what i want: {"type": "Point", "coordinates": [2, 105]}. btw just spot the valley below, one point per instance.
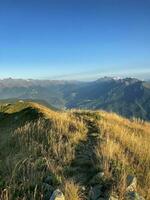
{"type": "Point", "coordinates": [128, 97]}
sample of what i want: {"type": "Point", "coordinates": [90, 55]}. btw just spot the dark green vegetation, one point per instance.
{"type": "Point", "coordinates": [42, 149]}
{"type": "Point", "coordinates": [128, 97]}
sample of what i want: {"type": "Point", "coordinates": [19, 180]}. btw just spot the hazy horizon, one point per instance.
{"type": "Point", "coordinates": [144, 77]}
{"type": "Point", "coordinates": [90, 75]}
{"type": "Point", "coordinates": [74, 39]}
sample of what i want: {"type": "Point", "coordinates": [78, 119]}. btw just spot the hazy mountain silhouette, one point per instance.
{"type": "Point", "coordinates": [129, 97]}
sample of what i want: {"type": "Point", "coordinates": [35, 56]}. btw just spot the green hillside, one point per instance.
{"type": "Point", "coordinates": [86, 154]}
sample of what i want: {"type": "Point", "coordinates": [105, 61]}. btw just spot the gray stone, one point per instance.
{"type": "Point", "coordinates": [57, 195]}
{"type": "Point", "coordinates": [133, 196]}
{"type": "Point", "coordinates": [131, 183]}
{"type": "Point", "coordinates": [83, 188]}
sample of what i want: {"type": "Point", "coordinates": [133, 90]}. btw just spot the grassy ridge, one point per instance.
{"type": "Point", "coordinates": [41, 150]}
{"type": "Point", "coordinates": [127, 146]}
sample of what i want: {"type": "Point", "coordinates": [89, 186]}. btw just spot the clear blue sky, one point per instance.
{"type": "Point", "coordinates": [74, 39]}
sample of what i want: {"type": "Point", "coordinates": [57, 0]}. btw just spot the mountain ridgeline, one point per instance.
{"type": "Point", "coordinates": [85, 154]}
{"type": "Point", "coordinates": [129, 97]}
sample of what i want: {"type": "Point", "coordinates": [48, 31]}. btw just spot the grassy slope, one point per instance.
{"type": "Point", "coordinates": [41, 149]}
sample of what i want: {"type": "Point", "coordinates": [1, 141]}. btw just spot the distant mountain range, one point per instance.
{"type": "Point", "coordinates": [129, 97]}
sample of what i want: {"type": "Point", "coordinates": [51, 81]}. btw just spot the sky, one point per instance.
{"type": "Point", "coordinates": [74, 39]}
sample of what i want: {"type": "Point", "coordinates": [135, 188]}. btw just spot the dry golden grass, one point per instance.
{"type": "Point", "coordinates": [72, 191]}
{"type": "Point", "coordinates": [41, 148]}
{"type": "Point", "coordinates": [127, 146]}
{"type": "Point", "coordinates": [46, 146]}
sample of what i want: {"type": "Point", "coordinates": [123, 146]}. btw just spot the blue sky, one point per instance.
{"type": "Point", "coordinates": [74, 39]}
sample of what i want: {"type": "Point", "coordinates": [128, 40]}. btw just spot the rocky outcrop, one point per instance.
{"type": "Point", "coordinates": [97, 190]}
{"type": "Point", "coordinates": [131, 190]}
{"type": "Point", "coordinates": [133, 196]}
{"type": "Point", "coordinates": [131, 183]}
{"type": "Point", "coordinates": [57, 195]}
{"type": "Point", "coordinates": [100, 188]}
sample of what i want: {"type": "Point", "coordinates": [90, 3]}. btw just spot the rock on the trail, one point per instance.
{"type": "Point", "coordinates": [131, 193]}
{"type": "Point", "coordinates": [133, 196]}
{"type": "Point", "coordinates": [57, 195]}
{"type": "Point", "coordinates": [131, 183]}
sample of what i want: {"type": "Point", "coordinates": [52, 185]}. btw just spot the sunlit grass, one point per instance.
{"type": "Point", "coordinates": [127, 145]}
{"type": "Point", "coordinates": [43, 148]}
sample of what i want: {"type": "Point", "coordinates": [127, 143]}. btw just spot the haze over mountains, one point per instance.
{"type": "Point", "coordinates": [129, 97]}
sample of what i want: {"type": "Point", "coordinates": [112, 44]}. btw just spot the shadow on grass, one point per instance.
{"type": "Point", "coordinates": [18, 118]}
